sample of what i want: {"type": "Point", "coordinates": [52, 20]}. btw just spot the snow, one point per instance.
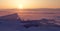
{"type": "Point", "coordinates": [13, 25]}
{"type": "Point", "coordinates": [40, 29]}
{"type": "Point", "coordinates": [20, 27]}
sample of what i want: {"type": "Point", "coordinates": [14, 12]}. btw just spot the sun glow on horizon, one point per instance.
{"type": "Point", "coordinates": [20, 6]}
{"type": "Point", "coordinates": [29, 4]}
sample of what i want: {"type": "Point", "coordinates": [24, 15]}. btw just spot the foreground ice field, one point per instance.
{"type": "Point", "coordinates": [11, 23]}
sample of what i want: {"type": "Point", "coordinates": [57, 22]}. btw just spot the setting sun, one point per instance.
{"type": "Point", "coordinates": [20, 6]}
{"type": "Point", "coordinates": [29, 4]}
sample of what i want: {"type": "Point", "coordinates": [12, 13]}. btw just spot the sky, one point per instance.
{"type": "Point", "coordinates": [28, 4]}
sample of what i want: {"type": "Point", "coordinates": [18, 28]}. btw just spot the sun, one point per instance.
{"type": "Point", "coordinates": [20, 6]}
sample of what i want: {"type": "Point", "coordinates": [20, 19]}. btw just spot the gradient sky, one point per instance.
{"type": "Point", "coordinates": [29, 4]}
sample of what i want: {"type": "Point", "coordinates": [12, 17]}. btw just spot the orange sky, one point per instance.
{"type": "Point", "coordinates": [5, 4]}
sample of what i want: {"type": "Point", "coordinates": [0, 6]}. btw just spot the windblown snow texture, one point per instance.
{"type": "Point", "coordinates": [12, 22]}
